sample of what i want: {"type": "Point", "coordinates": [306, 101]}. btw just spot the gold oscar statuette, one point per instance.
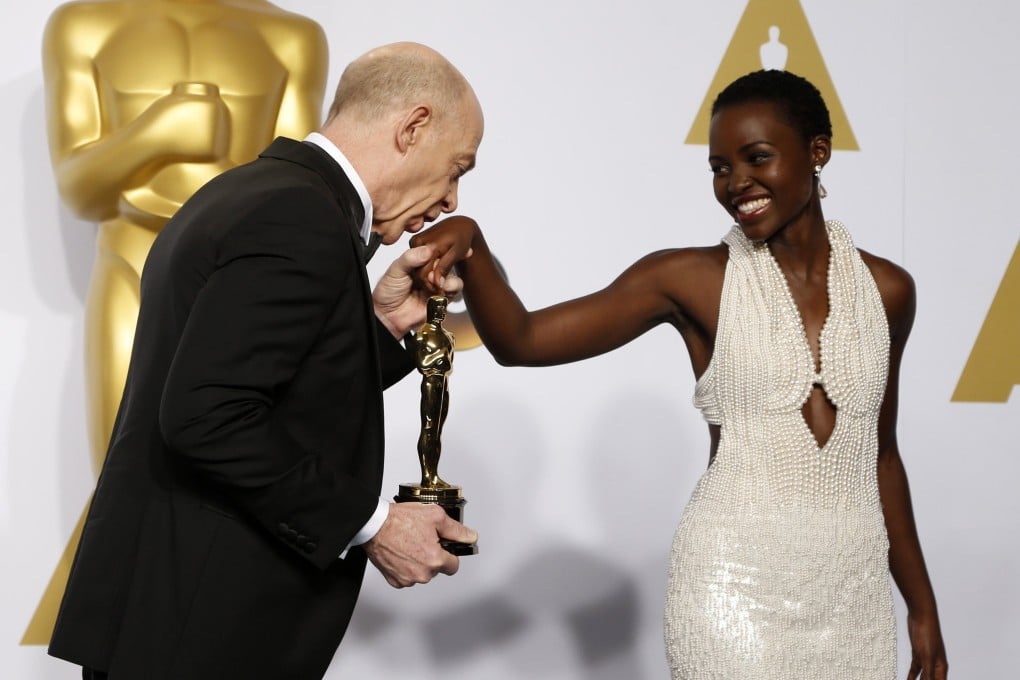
{"type": "Point", "coordinates": [434, 356]}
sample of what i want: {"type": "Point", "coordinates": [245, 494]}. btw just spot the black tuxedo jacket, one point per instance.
{"type": "Point", "coordinates": [248, 449]}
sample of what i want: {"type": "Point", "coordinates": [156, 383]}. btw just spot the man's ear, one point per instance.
{"type": "Point", "coordinates": [412, 126]}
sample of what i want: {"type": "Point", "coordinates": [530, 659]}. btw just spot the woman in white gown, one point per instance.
{"type": "Point", "coordinates": [781, 562]}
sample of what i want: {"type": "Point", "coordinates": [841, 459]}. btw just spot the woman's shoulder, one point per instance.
{"type": "Point", "coordinates": [888, 275]}
{"type": "Point", "coordinates": [895, 286]}
{"type": "Point", "coordinates": [686, 270]}
{"type": "Point", "coordinates": [692, 278]}
{"type": "Point", "coordinates": [699, 258]}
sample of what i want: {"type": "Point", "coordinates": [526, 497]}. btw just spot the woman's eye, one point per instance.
{"type": "Point", "coordinates": [718, 170]}
{"type": "Point", "coordinates": [759, 157]}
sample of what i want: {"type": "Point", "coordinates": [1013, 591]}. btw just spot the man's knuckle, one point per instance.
{"type": "Point", "coordinates": [435, 513]}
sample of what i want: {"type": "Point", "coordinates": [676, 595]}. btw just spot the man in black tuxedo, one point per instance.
{"type": "Point", "coordinates": [240, 497]}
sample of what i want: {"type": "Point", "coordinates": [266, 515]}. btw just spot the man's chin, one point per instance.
{"type": "Point", "coordinates": [387, 233]}
{"type": "Point", "coordinates": [392, 231]}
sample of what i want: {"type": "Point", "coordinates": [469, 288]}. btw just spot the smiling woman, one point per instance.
{"type": "Point", "coordinates": [780, 564]}
{"type": "Point", "coordinates": [756, 143]}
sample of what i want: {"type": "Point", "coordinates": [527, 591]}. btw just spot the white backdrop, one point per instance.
{"type": "Point", "coordinates": [576, 475]}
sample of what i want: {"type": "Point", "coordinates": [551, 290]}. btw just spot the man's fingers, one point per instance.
{"type": "Point", "coordinates": [453, 530]}
{"type": "Point", "coordinates": [451, 564]}
{"type": "Point", "coordinates": [412, 552]}
{"type": "Point", "coordinates": [413, 258]}
{"type": "Point", "coordinates": [453, 286]}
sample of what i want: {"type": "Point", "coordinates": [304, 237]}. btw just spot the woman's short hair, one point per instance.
{"type": "Point", "coordinates": [798, 102]}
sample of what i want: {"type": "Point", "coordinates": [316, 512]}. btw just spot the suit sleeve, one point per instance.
{"type": "Point", "coordinates": [396, 359]}
{"type": "Point", "coordinates": [280, 276]}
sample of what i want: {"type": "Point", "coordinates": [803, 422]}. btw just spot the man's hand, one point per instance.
{"type": "Point", "coordinates": [406, 549]}
{"type": "Point", "coordinates": [400, 297]}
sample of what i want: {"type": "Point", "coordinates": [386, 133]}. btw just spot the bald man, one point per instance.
{"type": "Point", "coordinates": [240, 497]}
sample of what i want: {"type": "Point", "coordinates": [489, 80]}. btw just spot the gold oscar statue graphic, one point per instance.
{"type": "Point", "coordinates": [434, 355]}
{"type": "Point", "coordinates": [146, 100]}
{"type": "Point", "coordinates": [775, 34]}
{"type": "Point", "coordinates": [992, 371]}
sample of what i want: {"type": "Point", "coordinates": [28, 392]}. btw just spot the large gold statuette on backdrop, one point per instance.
{"type": "Point", "coordinates": [146, 101]}
{"type": "Point", "coordinates": [434, 355]}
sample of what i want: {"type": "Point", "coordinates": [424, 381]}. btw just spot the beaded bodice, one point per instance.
{"type": "Point", "coordinates": [762, 372]}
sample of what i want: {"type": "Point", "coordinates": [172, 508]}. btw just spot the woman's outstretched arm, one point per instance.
{"type": "Point", "coordinates": [643, 296]}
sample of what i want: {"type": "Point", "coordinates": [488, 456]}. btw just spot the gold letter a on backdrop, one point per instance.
{"type": "Point", "coordinates": [775, 34]}
{"type": "Point", "coordinates": [994, 364]}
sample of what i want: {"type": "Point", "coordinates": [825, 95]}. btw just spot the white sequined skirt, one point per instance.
{"type": "Point", "coordinates": [777, 595]}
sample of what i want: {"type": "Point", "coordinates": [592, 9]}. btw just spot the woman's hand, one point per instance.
{"type": "Point", "coordinates": [451, 242]}
{"type": "Point", "coordinates": [928, 652]}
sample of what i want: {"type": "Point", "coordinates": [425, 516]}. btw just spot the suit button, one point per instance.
{"type": "Point", "coordinates": [282, 528]}
{"type": "Point", "coordinates": [310, 547]}
{"type": "Point", "coordinates": [301, 540]}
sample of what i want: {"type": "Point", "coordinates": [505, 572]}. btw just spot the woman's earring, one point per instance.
{"type": "Point", "coordinates": [822, 193]}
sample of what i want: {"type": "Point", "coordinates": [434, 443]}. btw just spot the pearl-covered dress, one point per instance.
{"type": "Point", "coordinates": [779, 568]}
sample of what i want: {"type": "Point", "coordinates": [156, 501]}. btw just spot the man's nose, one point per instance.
{"type": "Point", "coordinates": [450, 201]}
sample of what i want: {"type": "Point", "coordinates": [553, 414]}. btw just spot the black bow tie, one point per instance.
{"type": "Point", "coordinates": [374, 240]}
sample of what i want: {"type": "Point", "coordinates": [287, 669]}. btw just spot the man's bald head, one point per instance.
{"type": "Point", "coordinates": [410, 124]}
{"type": "Point", "coordinates": [391, 78]}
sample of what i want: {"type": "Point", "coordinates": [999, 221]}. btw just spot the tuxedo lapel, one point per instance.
{"type": "Point", "coordinates": [317, 160]}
